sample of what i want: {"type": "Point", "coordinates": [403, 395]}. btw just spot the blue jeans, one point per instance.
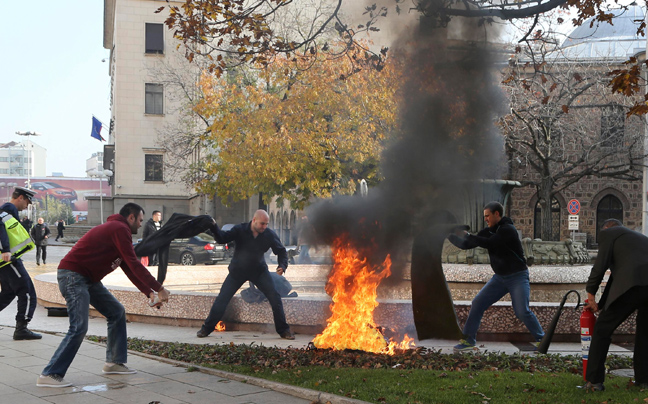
{"type": "Point", "coordinates": [231, 284]}
{"type": "Point", "coordinates": [497, 287]}
{"type": "Point", "coordinates": [79, 293]}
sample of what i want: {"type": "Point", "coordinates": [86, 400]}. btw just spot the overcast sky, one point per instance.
{"type": "Point", "coordinates": [53, 79]}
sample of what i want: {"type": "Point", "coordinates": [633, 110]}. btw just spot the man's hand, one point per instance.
{"type": "Point", "coordinates": [460, 233]}
{"type": "Point", "coordinates": [164, 295]}
{"type": "Point", "coordinates": [280, 270]}
{"type": "Point", "coordinates": [6, 256]}
{"type": "Point", "coordinates": [161, 297]}
{"type": "Point", "coordinates": [591, 303]}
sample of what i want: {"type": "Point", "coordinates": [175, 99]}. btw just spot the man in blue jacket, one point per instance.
{"type": "Point", "coordinates": [252, 239]}
{"type": "Point", "coordinates": [14, 277]}
{"type": "Point", "coordinates": [511, 274]}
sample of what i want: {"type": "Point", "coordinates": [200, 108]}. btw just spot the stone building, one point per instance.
{"type": "Point", "coordinates": [599, 198]}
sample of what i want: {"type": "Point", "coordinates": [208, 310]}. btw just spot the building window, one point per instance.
{"type": "Point", "coordinates": [610, 207]}
{"type": "Point", "coordinates": [155, 38]}
{"type": "Point", "coordinates": [153, 167]}
{"type": "Point", "coordinates": [555, 221]}
{"type": "Point", "coordinates": [612, 126]}
{"type": "Point", "coordinates": [154, 99]}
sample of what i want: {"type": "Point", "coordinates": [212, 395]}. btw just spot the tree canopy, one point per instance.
{"type": "Point", "coordinates": [294, 132]}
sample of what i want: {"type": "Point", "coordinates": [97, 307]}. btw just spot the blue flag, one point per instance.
{"type": "Point", "coordinates": [96, 129]}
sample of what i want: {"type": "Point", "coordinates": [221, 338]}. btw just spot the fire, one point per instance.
{"type": "Point", "coordinates": [220, 326]}
{"type": "Point", "coordinates": [353, 285]}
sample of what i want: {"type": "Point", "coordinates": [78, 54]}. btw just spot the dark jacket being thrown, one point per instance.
{"type": "Point", "coordinates": [503, 244]}
{"type": "Point", "coordinates": [248, 260]}
{"type": "Point", "coordinates": [39, 232]}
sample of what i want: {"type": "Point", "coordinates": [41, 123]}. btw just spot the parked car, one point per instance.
{"type": "Point", "coordinates": [54, 190]}
{"type": "Point", "coordinates": [200, 249]}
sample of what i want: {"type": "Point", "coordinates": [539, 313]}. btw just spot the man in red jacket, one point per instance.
{"type": "Point", "coordinates": [95, 255]}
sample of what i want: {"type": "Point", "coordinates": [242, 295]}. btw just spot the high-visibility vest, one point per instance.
{"type": "Point", "coordinates": [19, 240]}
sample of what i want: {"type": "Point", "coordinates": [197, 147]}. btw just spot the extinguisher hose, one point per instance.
{"type": "Point", "coordinates": [549, 333]}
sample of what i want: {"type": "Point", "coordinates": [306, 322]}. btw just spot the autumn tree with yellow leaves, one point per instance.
{"type": "Point", "coordinates": [293, 130]}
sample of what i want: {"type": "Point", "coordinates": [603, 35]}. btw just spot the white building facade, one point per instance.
{"type": "Point", "coordinates": [21, 159]}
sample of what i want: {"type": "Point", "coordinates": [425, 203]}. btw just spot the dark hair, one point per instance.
{"type": "Point", "coordinates": [15, 194]}
{"type": "Point", "coordinates": [154, 212]}
{"type": "Point", "coordinates": [131, 209]}
{"type": "Point", "coordinates": [495, 207]}
{"type": "Point", "coordinates": [611, 223]}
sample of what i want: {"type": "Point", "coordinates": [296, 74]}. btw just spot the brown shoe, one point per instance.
{"type": "Point", "coordinates": [202, 333]}
{"type": "Point", "coordinates": [287, 335]}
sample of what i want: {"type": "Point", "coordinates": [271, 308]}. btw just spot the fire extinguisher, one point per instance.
{"type": "Point", "coordinates": [587, 321]}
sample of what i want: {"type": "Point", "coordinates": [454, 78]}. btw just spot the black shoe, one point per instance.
{"type": "Point", "coordinates": [44, 263]}
{"type": "Point", "coordinates": [202, 333]}
{"type": "Point", "coordinates": [25, 334]}
{"type": "Point", "coordinates": [287, 335]}
{"type": "Point", "coordinates": [38, 263]}
{"type": "Point", "coordinates": [641, 385]}
{"type": "Point", "coordinates": [592, 386]}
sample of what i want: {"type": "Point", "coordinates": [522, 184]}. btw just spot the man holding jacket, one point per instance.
{"type": "Point", "coordinates": [623, 251]}
{"type": "Point", "coordinates": [99, 252]}
{"type": "Point", "coordinates": [511, 274]}
{"type": "Point", "coordinates": [252, 239]}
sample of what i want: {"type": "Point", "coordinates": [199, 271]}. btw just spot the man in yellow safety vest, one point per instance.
{"type": "Point", "coordinates": [14, 279]}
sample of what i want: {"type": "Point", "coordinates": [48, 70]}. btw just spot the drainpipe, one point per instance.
{"type": "Point", "coordinates": [644, 194]}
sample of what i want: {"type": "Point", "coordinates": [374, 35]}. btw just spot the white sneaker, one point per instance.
{"type": "Point", "coordinates": [52, 381]}
{"type": "Point", "coordinates": [118, 369]}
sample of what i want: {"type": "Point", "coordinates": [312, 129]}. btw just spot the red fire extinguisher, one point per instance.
{"type": "Point", "coordinates": [587, 321]}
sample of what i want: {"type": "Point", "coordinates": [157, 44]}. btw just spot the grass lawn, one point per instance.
{"type": "Point", "coordinates": [396, 386]}
{"type": "Point", "coordinates": [413, 376]}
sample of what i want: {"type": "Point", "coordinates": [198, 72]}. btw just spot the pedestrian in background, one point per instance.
{"type": "Point", "coordinates": [14, 279]}
{"type": "Point", "coordinates": [624, 252]}
{"type": "Point", "coordinates": [60, 226]}
{"type": "Point", "coordinates": [150, 227]}
{"type": "Point", "coordinates": [98, 253]}
{"type": "Point", "coordinates": [27, 224]}
{"type": "Point", "coordinates": [40, 233]}
{"type": "Point", "coordinates": [511, 274]}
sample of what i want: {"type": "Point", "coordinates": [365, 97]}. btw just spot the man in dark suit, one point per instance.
{"type": "Point", "coordinates": [624, 252]}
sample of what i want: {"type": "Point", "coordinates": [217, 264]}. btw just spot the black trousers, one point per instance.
{"type": "Point", "coordinates": [609, 320]}
{"type": "Point", "coordinates": [231, 284]}
{"type": "Point", "coordinates": [16, 282]}
{"type": "Point", "coordinates": [163, 263]}
{"type": "Point", "coordinates": [41, 251]}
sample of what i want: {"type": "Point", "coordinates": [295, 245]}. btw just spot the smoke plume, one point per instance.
{"type": "Point", "coordinates": [448, 140]}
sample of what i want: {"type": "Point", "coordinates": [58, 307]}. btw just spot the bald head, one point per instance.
{"type": "Point", "coordinates": [260, 222]}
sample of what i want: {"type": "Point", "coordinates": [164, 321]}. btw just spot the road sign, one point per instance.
{"type": "Point", "coordinates": [573, 207]}
{"type": "Point", "coordinates": [573, 222]}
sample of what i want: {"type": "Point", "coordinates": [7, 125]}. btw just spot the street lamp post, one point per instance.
{"type": "Point", "coordinates": [30, 162]}
{"type": "Point", "coordinates": [101, 174]}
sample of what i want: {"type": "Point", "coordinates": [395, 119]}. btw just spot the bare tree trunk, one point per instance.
{"type": "Point", "coordinates": [545, 204]}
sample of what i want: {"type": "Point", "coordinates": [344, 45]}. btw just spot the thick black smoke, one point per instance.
{"type": "Point", "coordinates": [448, 140]}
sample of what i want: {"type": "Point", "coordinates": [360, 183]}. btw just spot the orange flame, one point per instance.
{"type": "Point", "coordinates": [352, 285]}
{"type": "Point", "coordinates": [220, 326]}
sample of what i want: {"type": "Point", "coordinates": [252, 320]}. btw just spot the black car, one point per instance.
{"type": "Point", "coordinates": [200, 249]}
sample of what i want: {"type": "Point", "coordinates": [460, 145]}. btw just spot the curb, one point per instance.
{"type": "Point", "coordinates": [317, 397]}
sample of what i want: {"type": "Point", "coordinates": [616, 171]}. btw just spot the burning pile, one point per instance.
{"type": "Point", "coordinates": [353, 285]}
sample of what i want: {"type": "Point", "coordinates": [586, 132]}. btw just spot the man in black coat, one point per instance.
{"type": "Point", "coordinates": [511, 274]}
{"type": "Point", "coordinates": [623, 251]}
{"type": "Point", "coordinates": [40, 233]}
{"type": "Point", "coordinates": [252, 239]}
{"type": "Point", "coordinates": [150, 227]}
{"type": "Point", "coordinates": [60, 226]}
